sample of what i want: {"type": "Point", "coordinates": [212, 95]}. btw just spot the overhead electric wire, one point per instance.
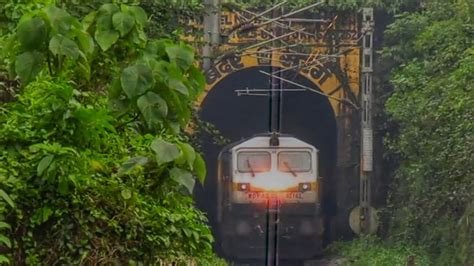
{"type": "Point", "coordinates": [313, 90]}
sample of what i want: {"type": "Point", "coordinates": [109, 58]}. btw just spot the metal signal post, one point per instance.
{"type": "Point", "coordinates": [275, 84]}
{"type": "Point", "coordinates": [366, 212]}
{"type": "Point", "coordinates": [211, 25]}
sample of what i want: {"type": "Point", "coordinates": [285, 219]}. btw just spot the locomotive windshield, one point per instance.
{"type": "Point", "coordinates": [294, 161]}
{"type": "Point", "coordinates": [253, 162]}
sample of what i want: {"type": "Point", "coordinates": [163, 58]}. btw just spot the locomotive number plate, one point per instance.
{"type": "Point", "coordinates": [288, 196]}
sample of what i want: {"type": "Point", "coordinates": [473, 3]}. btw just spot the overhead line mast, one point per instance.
{"type": "Point", "coordinates": [367, 217]}
{"type": "Point", "coordinates": [273, 205]}
{"type": "Point", "coordinates": [275, 83]}
{"type": "Point", "coordinates": [212, 34]}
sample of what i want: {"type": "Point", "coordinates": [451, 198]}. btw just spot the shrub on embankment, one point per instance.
{"type": "Point", "coordinates": [374, 251]}
{"type": "Point", "coordinates": [94, 167]}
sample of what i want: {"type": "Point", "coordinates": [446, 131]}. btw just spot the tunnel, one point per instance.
{"type": "Point", "coordinates": [304, 114]}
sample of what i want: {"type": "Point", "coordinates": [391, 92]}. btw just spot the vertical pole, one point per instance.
{"type": "Point", "coordinates": [274, 101]}
{"type": "Point", "coordinates": [366, 119]}
{"type": "Point", "coordinates": [211, 26]}
{"type": "Point", "coordinates": [275, 83]}
{"type": "Point", "coordinates": [273, 208]}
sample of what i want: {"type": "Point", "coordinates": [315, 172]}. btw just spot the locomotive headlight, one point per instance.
{"type": "Point", "coordinates": [304, 187]}
{"type": "Point", "coordinates": [274, 181]}
{"type": "Point", "coordinates": [243, 186]}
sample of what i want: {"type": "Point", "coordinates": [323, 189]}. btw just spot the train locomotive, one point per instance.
{"type": "Point", "coordinates": [252, 171]}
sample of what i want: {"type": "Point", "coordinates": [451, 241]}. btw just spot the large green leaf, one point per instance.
{"type": "Point", "coordinates": [136, 79]}
{"type": "Point", "coordinates": [131, 164]}
{"type": "Point", "coordinates": [165, 152]}
{"type": "Point", "coordinates": [61, 45]}
{"type": "Point", "coordinates": [179, 86]}
{"type": "Point", "coordinates": [6, 198]}
{"type": "Point", "coordinates": [28, 65]}
{"type": "Point", "coordinates": [174, 127]}
{"type": "Point", "coordinates": [177, 106]}
{"type": "Point", "coordinates": [139, 14]}
{"type": "Point", "coordinates": [160, 69]}
{"type": "Point", "coordinates": [197, 78]}
{"type": "Point", "coordinates": [88, 20]}
{"type": "Point", "coordinates": [105, 34]}
{"type": "Point", "coordinates": [108, 9]}
{"type": "Point", "coordinates": [182, 55]}
{"type": "Point", "coordinates": [139, 37]}
{"type": "Point", "coordinates": [85, 41]}
{"type": "Point", "coordinates": [152, 107]}
{"type": "Point", "coordinates": [44, 164]}
{"type": "Point", "coordinates": [123, 22]}
{"type": "Point", "coordinates": [32, 33]}
{"type": "Point", "coordinates": [200, 168]}
{"type": "Point", "coordinates": [103, 21]}
{"type": "Point", "coordinates": [60, 20]}
{"type": "Point", "coordinates": [106, 38]}
{"type": "Point", "coordinates": [188, 154]}
{"type": "Point", "coordinates": [184, 178]}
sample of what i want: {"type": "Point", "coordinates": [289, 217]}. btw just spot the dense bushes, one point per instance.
{"type": "Point", "coordinates": [432, 203]}
{"type": "Point", "coordinates": [373, 251]}
{"type": "Point", "coordinates": [430, 139]}
{"type": "Point", "coordinates": [91, 149]}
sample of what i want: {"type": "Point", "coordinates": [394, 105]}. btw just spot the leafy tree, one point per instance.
{"type": "Point", "coordinates": [91, 149]}
{"type": "Point", "coordinates": [433, 103]}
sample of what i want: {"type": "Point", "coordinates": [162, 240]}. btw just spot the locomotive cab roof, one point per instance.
{"type": "Point", "coordinates": [262, 141]}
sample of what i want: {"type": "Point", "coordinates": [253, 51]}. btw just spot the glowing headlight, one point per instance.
{"type": "Point", "coordinates": [243, 186]}
{"type": "Point", "coordinates": [274, 181]}
{"type": "Point", "coordinates": [304, 187]}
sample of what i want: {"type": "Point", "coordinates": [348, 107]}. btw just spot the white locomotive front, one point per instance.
{"type": "Point", "coordinates": [287, 172]}
{"type": "Point", "coordinates": [262, 169]}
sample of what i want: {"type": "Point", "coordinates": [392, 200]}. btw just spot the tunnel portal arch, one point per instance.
{"type": "Point", "coordinates": [306, 115]}
{"type": "Point", "coordinates": [329, 123]}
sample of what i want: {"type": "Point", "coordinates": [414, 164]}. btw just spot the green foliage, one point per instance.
{"type": "Point", "coordinates": [48, 36]}
{"type": "Point", "coordinates": [5, 241]}
{"type": "Point", "coordinates": [433, 104]}
{"type": "Point", "coordinates": [92, 150]}
{"type": "Point", "coordinates": [170, 17]}
{"type": "Point", "coordinates": [372, 251]}
{"type": "Point", "coordinates": [160, 85]}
